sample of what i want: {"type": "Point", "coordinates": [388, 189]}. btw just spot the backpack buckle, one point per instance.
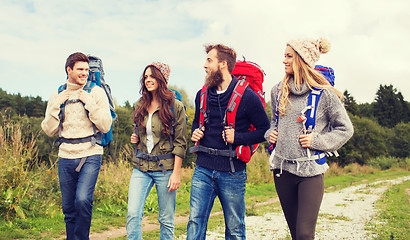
{"type": "Point", "coordinates": [213, 151]}
{"type": "Point", "coordinates": [93, 141]}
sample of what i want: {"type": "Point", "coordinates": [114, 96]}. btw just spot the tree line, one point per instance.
{"type": "Point", "coordinates": [382, 127]}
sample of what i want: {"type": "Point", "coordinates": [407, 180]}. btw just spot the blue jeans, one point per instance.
{"type": "Point", "coordinates": [140, 185]}
{"type": "Point", "coordinates": [77, 191]}
{"type": "Point", "coordinates": [230, 189]}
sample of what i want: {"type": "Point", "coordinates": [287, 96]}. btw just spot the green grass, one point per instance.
{"type": "Point", "coordinates": [49, 228]}
{"type": "Point", "coordinates": [265, 192]}
{"type": "Point", "coordinates": [333, 217]}
{"type": "Point", "coordinates": [394, 213]}
{"type": "Point", "coordinates": [333, 183]}
{"type": "Point", "coordinates": [35, 228]}
{"type": "Point", "coordinates": [30, 199]}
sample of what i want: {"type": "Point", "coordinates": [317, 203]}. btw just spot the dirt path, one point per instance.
{"type": "Point", "coordinates": [119, 232]}
{"type": "Point", "coordinates": [343, 215]}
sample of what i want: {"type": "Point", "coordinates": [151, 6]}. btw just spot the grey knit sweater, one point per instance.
{"type": "Point", "coordinates": [332, 130]}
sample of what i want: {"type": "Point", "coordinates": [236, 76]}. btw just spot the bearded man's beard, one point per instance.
{"type": "Point", "coordinates": [214, 78]}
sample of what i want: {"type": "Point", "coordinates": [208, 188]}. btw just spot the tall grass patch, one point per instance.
{"type": "Point", "coordinates": [111, 191]}
{"type": "Point", "coordinates": [28, 189]}
{"type": "Point", "coordinates": [258, 168]}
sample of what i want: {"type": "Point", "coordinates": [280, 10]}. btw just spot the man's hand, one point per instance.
{"type": "Point", "coordinates": [198, 134]}
{"type": "Point", "coordinates": [62, 97]}
{"type": "Point", "coordinates": [230, 135]}
{"type": "Point", "coordinates": [306, 140]}
{"type": "Point", "coordinates": [85, 97]}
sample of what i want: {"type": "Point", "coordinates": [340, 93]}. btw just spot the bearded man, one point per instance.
{"type": "Point", "coordinates": [218, 175]}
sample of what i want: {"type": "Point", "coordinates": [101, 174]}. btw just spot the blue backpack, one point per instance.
{"type": "Point", "coordinates": [312, 103]}
{"type": "Point", "coordinates": [327, 72]}
{"type": "Point", "coordinates": [178, 97]}
{"type": "Point", "coordinates": [95, 78]}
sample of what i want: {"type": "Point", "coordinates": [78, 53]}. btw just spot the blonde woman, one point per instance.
{"type": "Point", "coordinates": [298, 161]}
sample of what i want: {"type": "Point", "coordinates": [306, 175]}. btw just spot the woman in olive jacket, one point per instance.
{"type": "Point", "coordinates": [160, 135]}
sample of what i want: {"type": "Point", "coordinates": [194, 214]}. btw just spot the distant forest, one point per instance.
{"type": "Point", "coordinates": [382, 127]}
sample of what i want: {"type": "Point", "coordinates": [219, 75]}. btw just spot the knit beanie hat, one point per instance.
{"type": "Point", "coordinates": [163, 68]}
{"type": "Point", "coordinates": [310, 49]}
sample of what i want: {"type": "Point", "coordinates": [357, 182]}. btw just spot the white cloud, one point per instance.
{"type": "Point", "coordinates": [369, 40]}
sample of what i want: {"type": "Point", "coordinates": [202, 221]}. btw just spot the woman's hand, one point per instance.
{"type": "Point", "coordinates": [306, 140]}
{"type": "Point", "coordinates": [174, 181]}
{"type": "Point", "coordinates": [273, 137]}
{"type": "Point", "coordinates": [134, 138]}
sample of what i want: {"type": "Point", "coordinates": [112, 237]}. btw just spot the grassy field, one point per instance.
{"type": "Point", "coordinates": [394, 212]}
{"type": "Point", "coordinates": [106, 216]}
{"type": "Point", "coordinates": [30, 200]}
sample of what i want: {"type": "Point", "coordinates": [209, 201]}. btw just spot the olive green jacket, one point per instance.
{"type": "Point", "coordinates": [161, 141]}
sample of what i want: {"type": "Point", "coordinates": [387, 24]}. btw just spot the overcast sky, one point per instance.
{"type": "Point", "coordinates": [370, 40]}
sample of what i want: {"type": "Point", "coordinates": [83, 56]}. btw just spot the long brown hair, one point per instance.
{"type": "Point", "coordinates": [165, 97]}
{"type": "Point", "coordinates": [302, 72]}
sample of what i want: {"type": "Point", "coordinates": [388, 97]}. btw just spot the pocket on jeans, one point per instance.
{"type": "Point", "coordinates": [241, 174]}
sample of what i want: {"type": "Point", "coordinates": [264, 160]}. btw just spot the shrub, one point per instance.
{"type": "Point", "coordinates": [27, 187]}
{"type": "Point", "coordinates": [258, 168]}
{"type": "Point", "coordinates": [399, 142]}
{"type": "Point", "coordinates": [111, 191]}
{"type": "Point", "coordinates": [368, 141]}
{"type": "Point", "coordinates": [388, 162]}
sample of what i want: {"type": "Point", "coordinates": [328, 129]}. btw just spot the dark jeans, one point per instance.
{"type": "Point", "coordinates": [77, 190]}
{"type": "Point", "coordinates": [300, 198]}
{"type": "Point", "coordinates": [230, 188]}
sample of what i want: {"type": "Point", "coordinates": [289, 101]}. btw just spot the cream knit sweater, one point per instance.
{"type": "Point", "coordinates": [76, 123]}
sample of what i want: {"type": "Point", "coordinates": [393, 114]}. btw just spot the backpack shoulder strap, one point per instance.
{"type": "Point", "coordinates": [272, 146]}
{"type": "Point", "coordinates": [203, 116]}
{"type": "Point", "coordinates": [172, 129]}
{"type": "Point", "coordinates": [233, 104]}
{"type": "Point", "coordinates": [313, 101]}
{"type": "Point", "coordinates": [62, 88]}
{"type": "Point", "coordinates": [61, 114]}
{"type": "Point", "coordinates": [277, 104]}
{"type": "Point", "coordinates": [89, 85]}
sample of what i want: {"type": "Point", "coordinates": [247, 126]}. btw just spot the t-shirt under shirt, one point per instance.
{"type": "Point", "coordinates": [150, 138]}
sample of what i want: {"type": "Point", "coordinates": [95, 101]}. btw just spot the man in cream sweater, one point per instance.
{"type": "Point", "coordinates": [79, 160]}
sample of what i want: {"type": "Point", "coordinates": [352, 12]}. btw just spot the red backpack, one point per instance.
{"type": "Point", "coordinates": [248, 74]}
{"type": "Point", "coordinates": [253, 74]}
